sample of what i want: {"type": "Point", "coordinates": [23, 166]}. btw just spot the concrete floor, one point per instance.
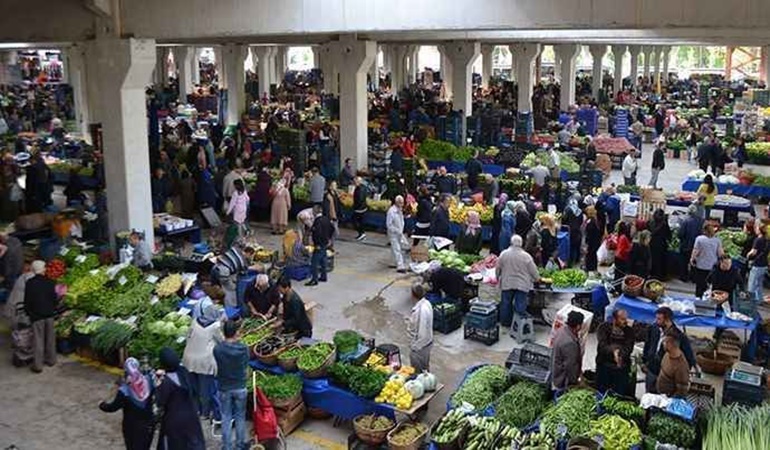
{"type": "Point", "coordinates": [58, 409]}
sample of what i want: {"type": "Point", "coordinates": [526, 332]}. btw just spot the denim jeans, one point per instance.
{"type": "Point", "coordinates": [506, 307]}
{"type": "Point", "coordinates": [205, 393]}
{"type": "Point", "coordinates": [318, 263]}
{"type": "Point", "coordinates": [233, 408]}
{"type": "Point", "coordinates": [654, 178]}
{"type": "Point", "coordinates": [520, 301]}
{"type": "Point", "coordinates": [756, 279]}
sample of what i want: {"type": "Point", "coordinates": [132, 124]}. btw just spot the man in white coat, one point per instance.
{"type": "Point", "coordinates": [395, 226]}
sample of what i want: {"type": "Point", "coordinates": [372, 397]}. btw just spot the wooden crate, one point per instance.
{"type": "Point", "coordinates": [290, 420]}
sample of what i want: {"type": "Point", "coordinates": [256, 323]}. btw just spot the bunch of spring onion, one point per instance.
{"type": "Point", "coordinates": [739, 427]}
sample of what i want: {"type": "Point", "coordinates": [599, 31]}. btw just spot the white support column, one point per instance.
{"type": "Point", "coordinates": [233, 57]}
{"type": "Point", "coordinates": [413, 69]}
{"type": "Point", "coordinates": [398, 69]}
{"type": "Point", "coordinates": [219, 65]}
{"type": "Point", "coordinates": [374, 72]}
{"type": "Point", "coordinates": [182, 57]}
{"type": "Point", "coordinates": [354, 57]}
{"type": "Point", "coordinates": [329, 68]}
{"type": "Point", "coordinates": [463, 54]}
{"type": "Point", "coordinates": [125, 68]}
{"type": "Point", "coordinates": [567, 55]}
{"type": "Point", "coordinates": [619, 51]}
{"type": "Point", "coordinates": [263, 69]}
{"type": "Point", "coordinates": [666, 55]}
{"type": "Point", "coordinates": [514, 61]}
{"type": "Point", "coordinates": [195, 68]}
{"type": "Point", "coordinates": [648, 53]}
{"type": "Point", "coordinates": [765, 61]}
{"type": "Point", "coordinates": [526, 54]}
{"type": "Point", "coordinates": [160, 76]}
{"type": "Point", "coordinates": [446, 72]}
{"type": "Point", "coordinates": [75, 64]}
{"type": "Point", "coordinates": [656, 74]}
{"type": "Point", "coordinates": [271, 63]}
{"type": "Point", "coordinates": [486, 64]}
{"type": "Point", "coordinates": [316, 56]}
{"type": "Point", "coordinates": [557, 65]}
{"type": "Point", "coordinates": [281, 58]}
{"type": "Point", "coordinates": [634, 50]}
{"type": "Point", "coordinates": [597, 52]}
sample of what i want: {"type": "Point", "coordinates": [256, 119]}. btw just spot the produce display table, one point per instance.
{"type": "Point", "coordinates": [737, 189]}
{"type": "Point", "coordinates": [718, 205]}
{"type": "Point", "coordinates": [193, 233]}
{"type": "Point", "coordinates": [459, 167]}
{"type": "Point", "coordinates": [644, 311]}
{"type": "Point", "coordinates": [320, 393]}
{"type": "Point", "coordinates": [599, 299]}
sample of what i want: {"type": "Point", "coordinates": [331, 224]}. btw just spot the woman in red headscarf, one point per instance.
{"type": "Point", "coordinates": [134, 397]}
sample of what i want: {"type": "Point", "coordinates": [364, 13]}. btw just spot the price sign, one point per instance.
{"type": "Point", "coordinates": [180, 339]}
{"type": "Point", "coordinates": [94, 272]}
{"type": "Point", "coordinates": [154, 300]}
{"type": "Point", "coordinates": [184, 311]}
{"type": "Point", "coordinates": [93, 318]}
{"type": "Point", "coordinates": [122, 280]}
{"type": "Point", "coordinates": [131, 320]}
{"type": "Point", "coordinates": [152, 279]}
{"type": "Point", "coordinates": [80, 259]}
{"type": "Point", "coordinates": [64, 251]}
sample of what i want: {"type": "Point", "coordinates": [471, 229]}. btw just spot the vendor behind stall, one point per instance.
{"type": "Point", "coordinates": [295, 319]}
{"type": "Point", "coordinates": [142, 255]}
{"type": "Point", "coordinates": [262, 297]}
{"type": "Point", "coordinates": [448, 282]}
{"type": "Point", "coordinates": [613, 355]}
{"type": "Point", "coordinates": [229, 266]}
{"type": "Point", "coordinates": [725, 277]}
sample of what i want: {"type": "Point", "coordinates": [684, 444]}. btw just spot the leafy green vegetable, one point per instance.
{"type": "Point", "coordinates": [347, 341]}
{"type": "Point", "coordinates": [481, 388]}
{"type": "Point", "coordinates": [615, 432]}
{"type": "Point", "coordinates": [111, 336]}
{"type": "Point", "coordinates": [279, 387]}
{"type": "Point", "coordinates": [625, 409]}
{"type": "Point", "coordinates": [737, 426]}
{"type": "Point", "coordinates": [670, 430]}
{"type": "Point", "coordinates": [574, 410]}
{"type": "Point", "coordinates": [568, 278]}
{"type": "Point", "coordinates": [522, 404]}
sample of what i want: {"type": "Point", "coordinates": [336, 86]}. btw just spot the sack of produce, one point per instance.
{"type": "Point", "coordinates": [632, 285]}
{"type": "Point", "coordinates": [654, 289]}
{"type": "Point", "coordinates": [407, 436]}
{"type": "Point", "coordinates": [373, 429]}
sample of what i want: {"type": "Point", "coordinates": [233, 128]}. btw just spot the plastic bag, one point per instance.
{"type": "Point", "coordinates": [603, 254]}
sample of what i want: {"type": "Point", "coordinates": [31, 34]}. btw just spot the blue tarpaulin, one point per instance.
{"type": "Point", "coordinates": [319, 393]}
{"type": "Point", "coordinates": [737, 189]}
{"type": "Point", "coordinates": [458, 167]}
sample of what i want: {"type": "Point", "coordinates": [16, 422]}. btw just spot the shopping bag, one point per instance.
{"type": "Point", "coordinates": [265, 421]}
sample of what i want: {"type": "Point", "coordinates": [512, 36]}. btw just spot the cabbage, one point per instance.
{"type": "Point", "coordinates": [696, 175]}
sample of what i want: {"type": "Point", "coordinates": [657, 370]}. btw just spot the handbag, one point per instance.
{"type": "Point", "coordinates": [265, 421]}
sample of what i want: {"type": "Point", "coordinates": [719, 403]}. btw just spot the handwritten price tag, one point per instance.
{"type": "Point", "coordinates": [122, 280]}
{"type": "Point", "coordinates": [152, 279]}
{"type": "Point", "coordinates": [80, 259]}
{"type": "Point", "coordinates": [154, 300]}
{"type": "Point", "coordinates": [64, 251]}
{"type": "Point", "coordinates": [180, 339]}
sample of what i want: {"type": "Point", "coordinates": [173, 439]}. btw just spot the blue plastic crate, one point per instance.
{"type": "Point", "coordinates": [481, 322]}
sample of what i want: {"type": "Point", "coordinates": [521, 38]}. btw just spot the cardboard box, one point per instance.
{"type": "Point", "coordinates": [290, 420]}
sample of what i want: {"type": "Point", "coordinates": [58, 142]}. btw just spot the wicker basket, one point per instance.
{"type": "Point", "coordinates": [414, 445]}
{"type": "Point", "coordinates": [371, 437]}
{"type": "Point", "coordinates": [287, 403]}
{"type": "Point", "coordinates": [633, 291]}
{"type": "Point", "coordinates": [714, 363]}
{"type": "Point", "coordinates": [321, 371]}
{"type": "Point", "coordinates": [288, 364]}
{"type": "Point", "coordinates": [271, 359]}
{"type": "Point", "coordinates": [649, 293]}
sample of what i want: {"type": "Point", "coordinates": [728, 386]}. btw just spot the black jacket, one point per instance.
{"type": "Point", "coordinates": [359, 199]}
{"type": "Point", "coordinates": [658, 161]}
{"type": "Point", "coordinates": [322, 231]}
{"type": "Point", "coordinates": [439, 224]}
{"type": "Point", "coordinates": [473, 168]}
{"type": "Point", "coordinates": [652, 356]}
{"type": "Point", "coordinates": [424, 209]}
{"type": "Point", "coordinates": [727, 281]}
{"type": "Point", "coordinates": [445, 184]}
{"type": "Point", "coordinates": [295, 317]}
{"type": "Point", "coordinates": [40, 298]}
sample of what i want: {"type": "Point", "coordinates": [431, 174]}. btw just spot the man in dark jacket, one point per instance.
{"type": "Point", "coordinates": [295, 319]}
{"type": "Point", "coordinates": [439, 224]}
{"type": "Point", "coordinates": [445, 183]}
{"type": "Point", "coordinates": [689, 229]}
{"type": "Point", "coordinates": [40, 305]}
{"type": "Point", "coordinates": [11, 259]}
{"type": "Point", "coordinates": [359, 207]}
{"type": "Point", "coordinates": [567, 356]}
{"type": "Point", "coordinates": [322, 233]}
{"type": "Point", "coordinates": [473, 169]}
{"type": "Point", "coordinates": [232, 358]}
{"type": "Point", "coordinates": [654, 350]}
{"type": "Point", "coordinates": [658, 163]}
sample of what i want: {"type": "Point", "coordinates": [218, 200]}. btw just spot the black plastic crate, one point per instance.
{"type": "Point", "coordinates": [447, 323]}
{"type": "Point", "coordinates": [481, 321]}
{"type": "Point", "coordinates": [489, 336]}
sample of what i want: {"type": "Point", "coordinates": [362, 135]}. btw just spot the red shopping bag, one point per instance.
{"type": "Point", "coordinates": [265, 421]}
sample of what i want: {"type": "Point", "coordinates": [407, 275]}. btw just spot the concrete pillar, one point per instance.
{"type": "Point", "coordinates": [75, 66]}
{"type": "Point", "coordinates": [666, 55]}
{"type": "Point", "coordinates": [219, 64]}
{"type": "Point", "coordinates": [354, 58]}
{"type": "Point", "coordinates": [648, 53]}
{"type": "Point", "coordinates": [634, 50]}
{"type": "Point", "coordinates": [446, 71]}
{"type": "Point", "coordinates": [281, 63]}
{"type": "Point", "coordinates": [316, 56]}
{"type": "Point", "coordinates": [398, 69]}
{"type": "Point", "coordinates": [233, 57]}
{"type": "Point", "coordinates": [526, 54]}
{"type": "Point", "coordinates": [619, 51]}
{"type": "Point", "coordinates": [764, 67]}
{"type": "Point", "coordinates": [414, 65]}
{"type": "Point", "coordinates": [195, 68]}
{"type": "Point", "coordinates": [125, 68]}
{"type": "Point", "coordinates": [567, 55]}
{"type": "Point", "coordinates": [374, 72]}
{"type": "Point", "coordinates": [329, 67]}
{"type": "Point", "coordinates": [597, 53]}
{"type": "Point", "coordinates": [161, 67]}
{"type": "Point", "coordinates": [557, 66]}
{"type": "Point", "coordinates": [462, 55]}
{"type": "Point", "coordinates": [656, 73]}
{"type": "Point", "coordinates": [263, 69]}
{"type": "Point", "coordinates": [486, 64]}
{"type": "Point", "coordinates": [514, 61]}
{"type": "Point", "coordinates": [182, 58]}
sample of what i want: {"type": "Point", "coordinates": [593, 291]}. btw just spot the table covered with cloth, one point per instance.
{"type": "Point", "coordinates": [320, 393]}
{"type": "Point", "coordinates": [718, 205]}
{"type": "Point", "coordinates": [737, 189]}
{"type": "Point", "coordinates": [644, 311]}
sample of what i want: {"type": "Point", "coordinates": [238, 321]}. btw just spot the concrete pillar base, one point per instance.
{"type": "Point", "coordinates": [634, 50]}
{"type": "Point", "coordinates": [183, 57]}
{"type": "Point", "coordinates": [486, 64]}
{"type": "Point", "coordinates": [567, 55]}
{"type": "Point", "coordinates": [233, 56]}
{"type": "Point", "coordinates": [597, 52]}
{"type": "Point", "coordinates": [462, 55]}
{"type": "Point", "coordinates": [619, 51]}
{"type": "Point", "coordinates": [525, 54]}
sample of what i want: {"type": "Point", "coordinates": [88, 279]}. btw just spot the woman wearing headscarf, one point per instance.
{"type": "Point", "coordinates": [660, 234]}
{"type": "Point", "coordinates": [523, 220]}
{"type": "Point", "coordinates": [507, 224]}
{"type": "Point", "coordinates": [261, 196]}
{"type": "Point", "coordinates": [594, 237]}
{"type": "Point", "coordinates": [497, 224]}
{"type": "Point", "coordinates": [180, 428]}
{"type": "Point", "coordinates": [549, 244]}
{"type": "Point", "coordinates": [573, 218]}
{"type": "Point", "coordinates": [279, 209]}
{"type": "Point", "coordinates": [469, 239]}
{"type": "Point", "coordinates": [198, 358]}
{"type": "Point", "coordinates": [641, 259]}
{"type": "Point", "coordinates": [134, 397]}
{"type": "Point", "coordinates": [207, 192]}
